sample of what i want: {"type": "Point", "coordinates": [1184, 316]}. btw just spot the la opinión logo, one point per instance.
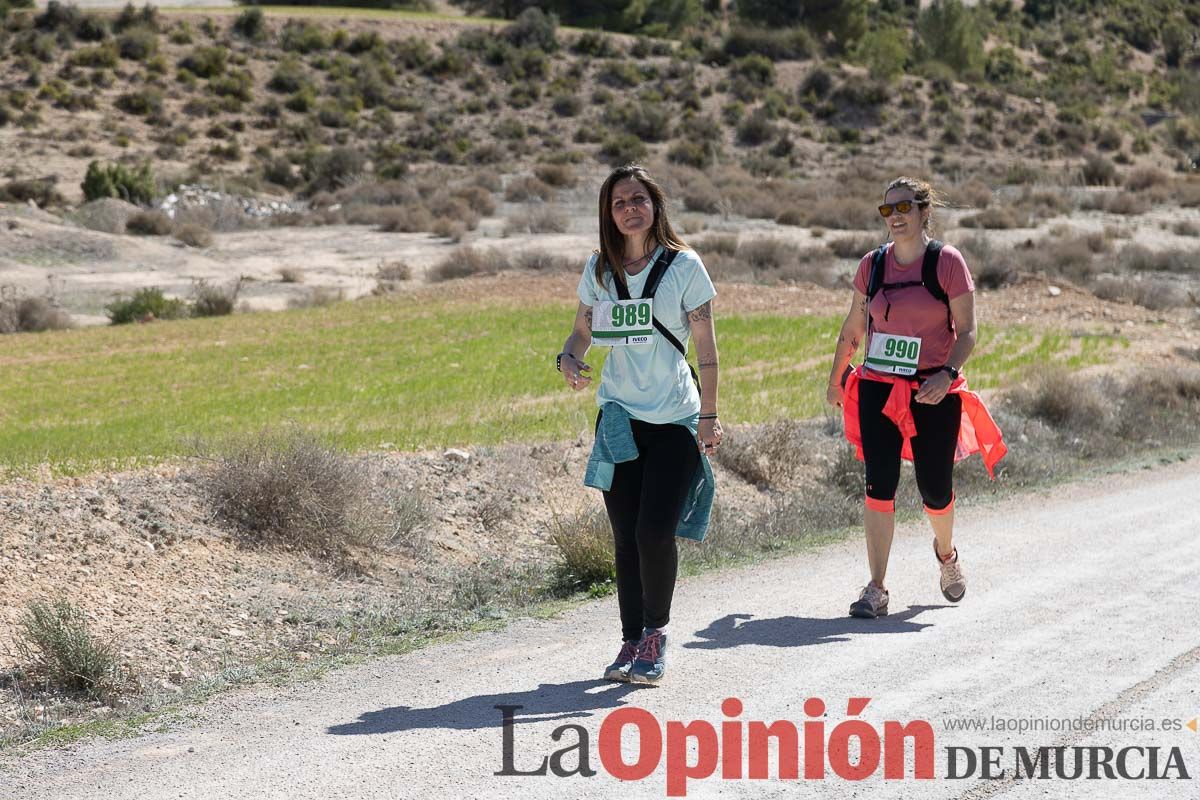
{"type": "Point", "coordinates": [737, 743]}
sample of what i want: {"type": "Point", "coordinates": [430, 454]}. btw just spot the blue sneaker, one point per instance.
{"type": "Point", "coordinates": [651, 660]}
{"type": "Point", "coordinates": [618, 670]}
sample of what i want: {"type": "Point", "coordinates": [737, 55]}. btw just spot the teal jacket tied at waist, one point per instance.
{"type": "Point", "coordinates": [615, 445]}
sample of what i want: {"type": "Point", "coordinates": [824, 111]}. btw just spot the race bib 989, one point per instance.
{"type": "Point", "coordinates": [622, 322]}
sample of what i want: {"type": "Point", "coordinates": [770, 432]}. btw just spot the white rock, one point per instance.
{"type": "Point", "coordinates": [457, 455]}
{"type": "Point", "coordinates": [1054, 291]}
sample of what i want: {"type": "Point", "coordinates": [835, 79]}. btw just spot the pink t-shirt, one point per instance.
{"type": "Point", "coordinates": [914, 311]}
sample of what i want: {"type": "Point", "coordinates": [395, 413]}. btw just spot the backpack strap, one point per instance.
{"type": "Point", "coordinates": [875, 277]}
{"type": "Point", "coordinates": [929, 277]}
{"type": "Point", "coordinates": [665, 259]}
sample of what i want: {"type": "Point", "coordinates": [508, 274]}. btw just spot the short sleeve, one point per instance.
{"type": "Point", "coordinates": [699, 288]}
{"type": "Point", "coordinates": [953, 274]}
{"type": "Point", "coordinates": [588, 290]}
{"type": "Point", "coordinates": [863, 275]}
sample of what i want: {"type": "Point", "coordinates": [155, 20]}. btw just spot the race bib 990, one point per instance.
{"type": "Point", "coordinates": [622, 322]}
{"type": "Point", "coordinates": [893, 354]}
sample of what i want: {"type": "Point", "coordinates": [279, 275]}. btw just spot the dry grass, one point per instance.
{"type": "Point", "coordinates": [291, 275]}
{"type": "Point", "coordinates": [1154, 293]}
{"type": "Point", "coordinates": [467, 261]}
{"type": "Point", "coordinates": [285, 489]}
{"type": "Point", "coordinates": [538, 219]}
{"type": "Point", "coordinates": [585, 546]}
{"type": "Point", "coordinates": [541, 261]}
{"type": "Point", "coordinates": [194, 235]}
{"type": "Point", "coordinates": [59, 646]}
{"type": "Point", "coordinates": [768, 456]}
{"type": "Point", "coordinates": [526, 189]}
{"type": "Point", "coordinates": [149, 223]}
{"type": "Point", "coordinates": [389, 276]}
{"type": "Point", "coordinates": [31, 314]}
{"type": "Point", "coordinates": [854, 246]}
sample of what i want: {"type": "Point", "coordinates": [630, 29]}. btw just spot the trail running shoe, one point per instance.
{"type": "Point", "coordinates": [618, 670]}
{"type": "Point", "coordinates": [651, 660]}
{"type": "Point", "coordinates": [872, 602]}
{"type": "Point", "coordinates": [954, 585]}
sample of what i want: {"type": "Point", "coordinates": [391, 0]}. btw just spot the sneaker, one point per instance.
{"type": "Point", "coordinates": [954, 585]}
{"type": "Point", "coordinates": [872, 602]}
{"type": "Point", "coordinates": [651, 660]}
{"type": "Point", "coordinates": [618, 670]}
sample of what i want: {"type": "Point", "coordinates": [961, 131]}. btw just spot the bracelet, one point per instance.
{"type": "Point", "coordinates": [558, 360]}
{"type": "Point", "coordinates": [708, 416]}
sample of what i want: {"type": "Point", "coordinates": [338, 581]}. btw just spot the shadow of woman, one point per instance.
{"type": "Point", "coordinates": [548, 702]}
{"type": "Point", "coordinates": [735, 630]}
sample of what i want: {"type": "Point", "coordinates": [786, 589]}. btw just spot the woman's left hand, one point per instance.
{"type": "Point", "coordinates": [934, 389]}
{"type": "Point", "coordinates": [708, 436]}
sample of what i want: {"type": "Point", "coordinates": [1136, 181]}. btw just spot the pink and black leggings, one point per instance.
{"type": "Point", "coordinates": [932, 448]}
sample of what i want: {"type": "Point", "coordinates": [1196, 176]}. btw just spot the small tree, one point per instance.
{"type": "Point", "coordinates": [114, 180]}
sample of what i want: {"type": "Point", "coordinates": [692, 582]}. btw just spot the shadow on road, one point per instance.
{"type": "Point", "coordinates": [735, 630]}
{"type": "Point", "coordinates": [548, 702]}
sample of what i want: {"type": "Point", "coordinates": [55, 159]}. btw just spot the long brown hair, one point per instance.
{"type": "Point", "coordinates": [924, 195]}
{"type": "Point", "coordinates": [612, 254]}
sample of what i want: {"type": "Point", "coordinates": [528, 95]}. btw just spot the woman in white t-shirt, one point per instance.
{"type": "Point", "coordinates": [655, 428]}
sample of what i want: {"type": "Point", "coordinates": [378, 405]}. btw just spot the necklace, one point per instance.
{"type": "Point", "coordinates": [636, 260]}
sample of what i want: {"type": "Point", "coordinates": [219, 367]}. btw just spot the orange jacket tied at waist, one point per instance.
{"type": "Point", "coordinates": [978, 432]}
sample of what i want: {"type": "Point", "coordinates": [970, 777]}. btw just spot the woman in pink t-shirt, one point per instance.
{"type": "Point", "coordinates": [906, 398]}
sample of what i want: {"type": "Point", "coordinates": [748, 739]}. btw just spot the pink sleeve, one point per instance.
{"type": "Point", "coordinates": [863, 274]}
{"type": "Point", "coordinates": [953, 273]}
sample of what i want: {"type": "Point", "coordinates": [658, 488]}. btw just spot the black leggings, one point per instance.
{"type": "Point", "coordinates": [932, 447]}
{"type": "Point", "coordinates": [644, 505]}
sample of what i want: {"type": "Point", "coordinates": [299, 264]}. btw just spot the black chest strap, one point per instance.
{"type": "Point", "coordinates": [929, 278]}
{"type": "Point", "coordinates": [652, 281]}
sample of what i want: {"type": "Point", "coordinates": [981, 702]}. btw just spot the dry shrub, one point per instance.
{"type": "Point", "coordinates": [479, 199]}
{"type": "Point", "coordinates": [991, 267]}
{"type": "Point", "coordinates": [541, 261]}
{"type": "Point", "coordinates": [389, 276]}
{"type": "Point", "coordinates": [31, 314]}
{"type": "Point", "coordinates": [526, 189]}
{"type": "Point", "coordinates": [1071, 257]}
{"type": "Point", "coordinates": [768, 456]}
{"type": "Point", "coordinates": [449, 229]}
{"type": "Point", "coordinates": [1000, 218]}
{"type": "Point", "coordinates": [1123, 202]}
{"type": "Point", "coordinates": [763, 254]}
{"type": "Point", "coordinates": [405, 219]}
{"type": "Point", "coordinates": [714, 243]}
{"type": "Point", "coordinates": [1186, 227]}
{"type": "Point", "coordinates": [291, 275]}
{"type": "Point", "coordinates": [1140, 179]}
{"type": "Point", "coordinates": [467, 261]}
{"type": "Point", "coordinates": [317, 297]}
{"type": "Point", "coordinates": [1061, 399]}
{"type": "Point", "coordinates": [1139, 258]}
{"type": "Point", "coordinates": [194, 235]}
{"type": "Point", "coordinates": [585, 546]}
{"type": "Point", "coordinates": [285, 489]}
{"type": "Point", "coordinates": [972, 194]}
{"type": "Point", "coordinates": [853, 246]}
{"type": "Point", "coordinates": [536, 220]}
{"type": "Point", "coordinates": [1154, 293]}
{"type": "Point", "coordinates": [214, 301]}
{"type": "Point", "coordinates": [149, 223]}
{"type": "Point", "coordinates": [58, 645]}
{"type": "Point", "coordinates": [223, 214]}
{"type": "Point", "coordinates": [560, 176]}
{"type": "Point", "coordinates": [452, 209]}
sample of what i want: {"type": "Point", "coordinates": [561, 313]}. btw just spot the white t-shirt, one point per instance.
{"type": "Point", "coordinates": [652, 381]}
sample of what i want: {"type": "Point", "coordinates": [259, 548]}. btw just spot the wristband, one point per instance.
{"type": "Point", "coordinates": [708, 416]}
{"type": "Point", "coordinates": [558, 360]}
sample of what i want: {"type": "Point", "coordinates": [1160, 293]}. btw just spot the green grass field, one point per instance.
{"type": "Point", "coordinates": [387, 372]}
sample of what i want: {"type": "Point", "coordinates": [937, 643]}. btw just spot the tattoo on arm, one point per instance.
{"type": "Point", "coordinates": [587, 317]}
{"type": "Point", "coordinates": [702, 313]}
{"type": "Point", "coordinates": [705, 364]}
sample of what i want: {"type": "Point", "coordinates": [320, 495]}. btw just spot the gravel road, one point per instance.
{"type": "Point", "coordinates": [1081, 607]}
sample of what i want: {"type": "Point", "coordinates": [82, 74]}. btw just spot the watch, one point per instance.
{"type": "Point", "coordinates": [558, 360]}
{"type": "Point", "coordinates": [953, 372]}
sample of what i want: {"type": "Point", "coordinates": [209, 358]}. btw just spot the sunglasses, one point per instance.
{"type": "Point", "coordinates": [904, 206]}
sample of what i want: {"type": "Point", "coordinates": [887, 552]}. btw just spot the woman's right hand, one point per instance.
{"type": "Point", "coordinates": [573, 372]}
{"type": "Point", "coordinates": [834, 395]}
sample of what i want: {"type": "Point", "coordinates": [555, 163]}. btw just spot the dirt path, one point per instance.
{"type": "Point", "coordinates": [1073, 613]}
